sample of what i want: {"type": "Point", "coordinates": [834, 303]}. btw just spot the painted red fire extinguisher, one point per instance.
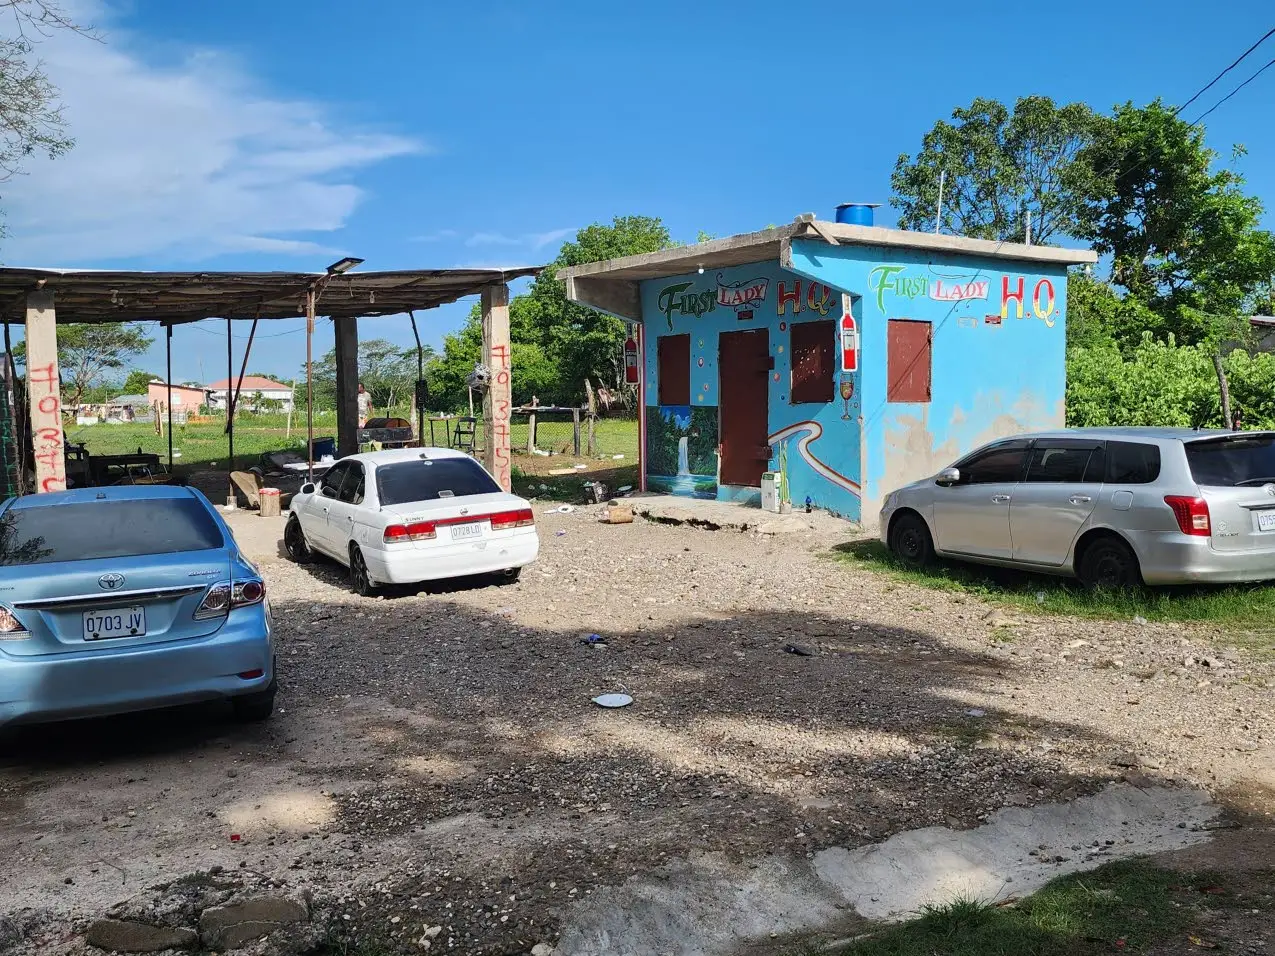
{"type": "Point", "coordinates": [631, 374]}
{"type": "Point", "coordinates": [849, 344]}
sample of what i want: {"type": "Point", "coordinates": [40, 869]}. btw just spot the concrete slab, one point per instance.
{"type": "Point", "coordinates": [711, 906]}
{"type": "Point", "coordinates": [729, 516]}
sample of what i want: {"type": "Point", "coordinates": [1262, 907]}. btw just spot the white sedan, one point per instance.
{"type": "Point", "coordinates": [411, 515]}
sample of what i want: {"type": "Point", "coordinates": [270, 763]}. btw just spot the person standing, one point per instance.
{"type": "Point", "coordinates": [365, 406]}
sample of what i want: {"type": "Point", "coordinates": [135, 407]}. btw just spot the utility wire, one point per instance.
{"type": "Point", "coordinates": [1205, 89]}
{"type": "Point", "coordinates": [1233, 92]}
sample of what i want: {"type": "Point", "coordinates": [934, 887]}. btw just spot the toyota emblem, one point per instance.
{"type": "Point", "coordinates": [1270, 490]}
{"type": "Point", "coordinates": [111, 581]}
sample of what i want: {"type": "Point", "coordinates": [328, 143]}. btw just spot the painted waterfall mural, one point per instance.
{"type": "Point", "coordinates": [681, 447]}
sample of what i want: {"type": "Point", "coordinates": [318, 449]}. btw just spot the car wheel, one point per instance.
{"type": "Point", "coordinates": [294, 542]}
{"type": "Point", "coordinates": [509, 576]}
{"type": "Point", "coordinates": [1109, 564]}
{"type": "Point", "coordinates": [910, 540]}
{"type": "Point", "coordinates": [252, 708]}
{"type": "Point", "coordinates": [360, 580]}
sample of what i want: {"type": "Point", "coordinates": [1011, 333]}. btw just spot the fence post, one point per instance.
{"type": "Point", "coordinates": [531, 433]}
{"type": "Point", "coordinates": [593, 444]}
{"type": "Point", "coordinates": [575, 423]}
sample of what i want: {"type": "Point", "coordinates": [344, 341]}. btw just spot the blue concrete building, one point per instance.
{"type": "Point", "coordinates": [849, 359]}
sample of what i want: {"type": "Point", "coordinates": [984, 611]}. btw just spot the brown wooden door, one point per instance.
{"type": "Point", "coordinates": [743, 365]}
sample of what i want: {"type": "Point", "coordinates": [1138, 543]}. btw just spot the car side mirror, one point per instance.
{"type": "Point", "coordinates": [948, 476]}
{"type": "Point", "coordinates": [307, 488]}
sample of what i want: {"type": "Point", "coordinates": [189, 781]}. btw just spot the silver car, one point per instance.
{"type": "Point", "coordinates": [1115, 507]}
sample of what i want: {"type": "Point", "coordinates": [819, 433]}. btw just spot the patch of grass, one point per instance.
{"type": "Point", "coordinates": [1121, 907]}
{"type": "Point", "coordinates": [1243, 606]}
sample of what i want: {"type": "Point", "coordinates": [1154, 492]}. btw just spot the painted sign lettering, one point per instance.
{"type": "Point", "coordinates": [958, 291]}
{"type": "Point", "coordinates": [885, 279]}
{"type": "Point", "coordinates": [742, 296]}
{"type": "Point", "coordinates": [819, 298]}
{"type": "Point", "coordinates": [678, 298]}
{"type": "Point", "coordinates": [1042, 299]}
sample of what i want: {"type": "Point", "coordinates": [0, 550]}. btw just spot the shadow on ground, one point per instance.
{"type": "Point", "coordinates": [471, 740]}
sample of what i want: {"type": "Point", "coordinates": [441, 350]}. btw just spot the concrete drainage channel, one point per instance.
{"type": "Point", "coordinates": [711, 907]}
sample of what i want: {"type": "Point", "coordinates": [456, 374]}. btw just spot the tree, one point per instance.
{"type": "Point", "coordinates": [999, 166]}
{"type": "Point", "coordinates": [384, 369]}
{"type": "Point", "coordinates": [1183, 236]}
{"type": "Point", "coordinates": [556, 343]}
{"type": "Point", "coordinates": [87, 352]}
{"type": "Point", "coordinates": [30, 116]}
{"type": "Point", "coordinates": [137, 382]}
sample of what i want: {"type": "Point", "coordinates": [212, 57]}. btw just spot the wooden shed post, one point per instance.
{"type": "Point", "coordinates": [498, 400]}
{"type": "Point", "coordinates": [44, 393]}
{"type": "Point", "coordinates": [347, 386]}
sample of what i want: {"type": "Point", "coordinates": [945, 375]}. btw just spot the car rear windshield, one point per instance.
{"type": "Point", "coordinates": [93, 530]}
{"type": "Point", "coordinates": [427, 479]}
{"type": "Point", "coordinates": [1242, 460]}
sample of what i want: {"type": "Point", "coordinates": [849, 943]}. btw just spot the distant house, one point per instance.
{"type": "Point", "coordinates": [254, 386]}
{"type": "Point", "coordinates": [1263, 333]}
{"type": "Point", "coordinates": [187, 398]}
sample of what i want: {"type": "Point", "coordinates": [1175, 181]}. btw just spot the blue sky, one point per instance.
{"type": "Point", "coordinates": [246, 135]}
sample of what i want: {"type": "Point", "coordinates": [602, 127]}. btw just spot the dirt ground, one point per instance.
{"type": "Point", "coordinates": [436, 760]}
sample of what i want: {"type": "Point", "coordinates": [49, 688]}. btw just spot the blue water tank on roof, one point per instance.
{"type": "Point", "coordinates": [856, 213]}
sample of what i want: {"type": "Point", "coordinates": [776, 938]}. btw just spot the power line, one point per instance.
{"type": "Point", "coordinates": [1233, 92]}
{"type": "Point", "coordinates": [1205, 89]}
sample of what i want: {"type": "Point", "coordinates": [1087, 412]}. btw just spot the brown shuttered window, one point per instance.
{"type": "Point", "coordinates": [911, 346]}
{"type": "Point", "coordinates": [675, 369]}
{"type": "Point", "coordinates": [812, 358]}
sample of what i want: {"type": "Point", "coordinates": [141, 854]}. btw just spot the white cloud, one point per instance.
{"type": "Point", "coordinates": [438, 235]}
{"type": "Point", "coordinates": [492, 239]}
{"type": "Point", "coordinates": [542, 239]}
{"type": "Point", "coordinates": [189, 160]}
{"type": "Point", "coordinates": [534, 240]}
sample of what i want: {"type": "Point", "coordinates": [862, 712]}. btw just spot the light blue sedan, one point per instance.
{"type": "Point", "coordinates": [127, 598]}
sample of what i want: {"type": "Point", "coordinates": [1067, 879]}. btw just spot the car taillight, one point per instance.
{"type": "Point", "coordinates": [11, 628]}
{"type": "Point", "coordinates": [221, 599]}
{"type": "Point", "coordinates": [503, 520]}
{"type": "Point", "coordinates": [419, 531]}
{"type": "Point", "coordinates": [1192, 514]}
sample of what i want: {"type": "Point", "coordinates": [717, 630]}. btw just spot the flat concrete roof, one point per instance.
{"type": "Point", "coordinates": [757, 246]}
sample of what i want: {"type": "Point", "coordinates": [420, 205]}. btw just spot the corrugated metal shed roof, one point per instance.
{"type": "Point", "coordinates": [84, 295]}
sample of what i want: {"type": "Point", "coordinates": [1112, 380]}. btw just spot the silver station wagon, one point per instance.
{"type": "Point", "coordinates": [1115, 507]}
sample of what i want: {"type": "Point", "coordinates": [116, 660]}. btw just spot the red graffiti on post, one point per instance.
{"type": "Point", "coordinates": [500, 407]}
{"type": "Point", "coordinates": [46, 419]}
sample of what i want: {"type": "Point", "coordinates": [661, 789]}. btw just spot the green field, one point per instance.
{"type": "Point", "coordinates": [205, 445]}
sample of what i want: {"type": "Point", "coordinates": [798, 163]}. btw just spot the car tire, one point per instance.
{"type": "Point", "coordinates": [254, 708]}
{"type": "Point", "coordinates": [360, 579]}
{"type": "Point", "coordinates": [294, 542]}
{"type": "Point", "coordinates": [508, 576]}
{"type": "Point", "coordinates": [910, 540]}
{"type": "Point", "coordinates": [1109, 564]}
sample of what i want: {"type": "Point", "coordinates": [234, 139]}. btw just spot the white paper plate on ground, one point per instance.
{"type": "Point", "coordinates": [613, 700]}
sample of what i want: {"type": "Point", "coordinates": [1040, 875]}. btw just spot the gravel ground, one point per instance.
{"type": "Point", "coordinates": [437, 761]}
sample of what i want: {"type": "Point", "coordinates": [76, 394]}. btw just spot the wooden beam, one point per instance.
{"type": "Point", "coordinates": [347, 386]}
{"type": "Point", "coordinates": [498, 399]}
{"type": "Point", "coordinates": [44, 393]}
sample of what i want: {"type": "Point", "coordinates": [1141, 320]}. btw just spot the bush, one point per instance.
{"type": "Point", "coordinates": [1162, 383]}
